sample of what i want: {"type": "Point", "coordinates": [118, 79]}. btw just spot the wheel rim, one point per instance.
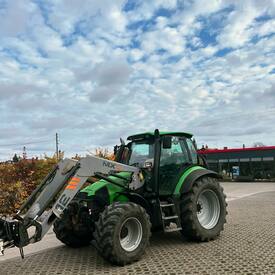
{"type": "Point", "coordinates": [208, 209]}
{"type": "Point", "coordinates": [130, 234]}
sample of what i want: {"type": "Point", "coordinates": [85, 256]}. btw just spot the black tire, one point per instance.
{"type": "Point", "coordinates": [70, 234]}
{"type": "Point", "coordinates": [109, 232]}
{"type": "Point", "coordinates": [193, 226]}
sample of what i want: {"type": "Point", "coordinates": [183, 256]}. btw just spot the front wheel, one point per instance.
{"type": "Point", "coordinates": [72, 234]}
{"type": "Point", "coordinates": [122, 233]}
{"type": "Point", "coordinates": [203, 210]}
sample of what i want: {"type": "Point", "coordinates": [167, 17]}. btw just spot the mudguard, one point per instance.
{"type": "Point", "coordinates": [138, 199]}
{"type": "Point", "coordinates": [189, 177]}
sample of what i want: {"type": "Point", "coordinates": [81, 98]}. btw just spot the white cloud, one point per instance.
{"type": "Point", "coordinates": [167, 38]}
{"type": "Point", "coordinates": [105, 14]}
{"type": "Point", "coordinates": [239, 28]}
{"type": "Point", "coordinates": [15, 16]}
{"type": "Point", "coordinates": [67, 66]}
{"type": "Point", "coordinates": [265, 28]}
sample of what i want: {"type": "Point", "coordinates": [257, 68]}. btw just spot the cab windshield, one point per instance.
{"type": "Point", "coordinates": [141, 152]}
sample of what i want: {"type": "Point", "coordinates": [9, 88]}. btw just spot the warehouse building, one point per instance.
{"type": "Point", "coordinates": [243, 163]}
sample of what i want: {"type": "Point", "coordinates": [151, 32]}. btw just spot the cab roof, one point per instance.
{"type": "Point", "coordinates": [151, 134]}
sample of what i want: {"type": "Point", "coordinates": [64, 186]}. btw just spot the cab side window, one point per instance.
{"type": "Point", "coordinates": [192, 150]}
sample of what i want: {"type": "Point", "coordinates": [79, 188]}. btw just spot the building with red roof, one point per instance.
{"type": "Point", "coordinates": [242, 163]}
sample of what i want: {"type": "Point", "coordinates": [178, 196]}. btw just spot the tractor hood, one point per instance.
{"type": "Point", "coordinates": [123, 180]}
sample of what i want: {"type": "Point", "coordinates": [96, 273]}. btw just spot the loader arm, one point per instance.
{"type": "Point", "coordinates": [53, 195]}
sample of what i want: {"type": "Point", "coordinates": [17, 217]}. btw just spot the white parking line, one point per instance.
{"type": "Point", "coordinates": [229, 198]}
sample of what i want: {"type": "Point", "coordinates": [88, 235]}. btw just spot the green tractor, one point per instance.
{"type": "Point", "coordinates": [156, 183]}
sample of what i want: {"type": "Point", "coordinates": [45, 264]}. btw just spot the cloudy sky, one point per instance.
{"type": "Point", "coordinates": [97, 70]}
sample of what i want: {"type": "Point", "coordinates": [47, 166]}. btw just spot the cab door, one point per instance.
{"type": "Point", "coordinates": [172, 162]}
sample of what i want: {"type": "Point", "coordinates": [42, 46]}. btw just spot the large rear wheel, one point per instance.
{"type": "Point", "coordinates": [203, 210]}
{"type": "Point", "coordinates": [122, 232]}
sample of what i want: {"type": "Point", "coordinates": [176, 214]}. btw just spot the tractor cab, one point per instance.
{"type": "Point", "coordinates": [163, 156]}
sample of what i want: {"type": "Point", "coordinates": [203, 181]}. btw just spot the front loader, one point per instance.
{"type": "Point", "coordinates": [154, 184]}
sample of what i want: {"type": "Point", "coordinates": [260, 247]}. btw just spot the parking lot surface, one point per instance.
{"type": "Point", "coordinates": [246, 246]}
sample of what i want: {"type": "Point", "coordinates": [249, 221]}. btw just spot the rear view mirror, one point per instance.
{"type": "Point", "coordinates": [148, 163]}
{"type": "Point", "coordinates": [167, 142]}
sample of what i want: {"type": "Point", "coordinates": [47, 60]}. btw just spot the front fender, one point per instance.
{"type": "Point", "coordinates": [189, 177]}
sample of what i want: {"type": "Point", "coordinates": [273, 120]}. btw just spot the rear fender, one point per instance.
{"type": "Point", "coordinates": [190, 176]}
